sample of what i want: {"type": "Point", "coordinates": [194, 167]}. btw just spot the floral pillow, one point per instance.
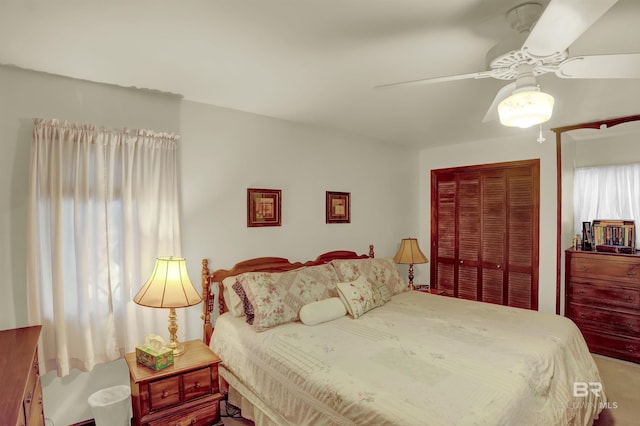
{"type": "Point", "coordinates": [378, 271]}
{"type": "Point", "coordinates": [359, 296]}
{"type": "Point", "coordinates": [273, 298]}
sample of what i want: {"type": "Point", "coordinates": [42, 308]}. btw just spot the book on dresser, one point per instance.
{"type": "Point", "coordinates": [617, 236]}
{"type": "Point", "coordinates": [602, 297]}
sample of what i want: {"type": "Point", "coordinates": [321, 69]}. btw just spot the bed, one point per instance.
{"type": "Point", "coordinates": [414, 358]}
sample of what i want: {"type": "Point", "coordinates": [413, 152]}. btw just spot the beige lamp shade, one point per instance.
{"type": "Point", "coordinates": [169, 286]}
{"type": "Point", "coordinates": [409, 253]}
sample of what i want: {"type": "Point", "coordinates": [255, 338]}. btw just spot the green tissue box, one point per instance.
{"type": "Point", "coordinates": [154, 359]}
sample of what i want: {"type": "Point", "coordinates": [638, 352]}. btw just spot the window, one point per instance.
{"type": "Point", "coordinates": [606, 192]}
{"type": "Point", "coordinates": [103, 204]}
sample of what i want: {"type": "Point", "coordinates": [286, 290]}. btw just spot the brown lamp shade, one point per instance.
{"type": "Point", "coordinates": [169, 286]}
{"type": "Point", "coordinates": [409, 253]}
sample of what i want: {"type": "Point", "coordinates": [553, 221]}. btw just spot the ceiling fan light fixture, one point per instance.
{"type": "Point", "coordinates": [525, 108]}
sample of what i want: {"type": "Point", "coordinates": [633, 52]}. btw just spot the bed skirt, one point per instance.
{"type": "Point", "coordinates": [251, 406]}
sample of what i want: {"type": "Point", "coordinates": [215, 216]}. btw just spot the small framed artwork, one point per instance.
{"type": "Point", "coordinates": [338, 207]}
{"type": "Point", "coordinates": [264, 207]}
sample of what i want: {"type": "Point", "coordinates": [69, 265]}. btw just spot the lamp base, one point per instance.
{"type": "Point", "coordinates": [174, 345]}
{"type": "Point", "coordinates": [411, 286]}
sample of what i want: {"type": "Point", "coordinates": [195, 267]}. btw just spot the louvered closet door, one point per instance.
{"type": "Point", "coordinates": [484, 226]}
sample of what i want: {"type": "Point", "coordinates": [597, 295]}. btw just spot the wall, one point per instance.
{"type": "Point", "coordinates": [523, 147]}
{"type": "Point", "coordinates": [222, 152]}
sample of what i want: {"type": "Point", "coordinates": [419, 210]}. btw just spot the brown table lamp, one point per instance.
{"type": "Point", "coordinates": [409, 253]}
{"type": "Point", "coordinates": [169, 287]}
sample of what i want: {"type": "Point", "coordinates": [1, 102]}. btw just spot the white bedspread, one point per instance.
{"type": "Point", "coordinates": [418, 360]}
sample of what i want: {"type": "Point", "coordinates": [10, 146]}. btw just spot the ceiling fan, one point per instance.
{"type": "Point", "coordinates": [539, 48]}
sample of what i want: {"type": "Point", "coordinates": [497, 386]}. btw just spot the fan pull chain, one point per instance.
{"type": "Point", "coordinates": [540, 137]}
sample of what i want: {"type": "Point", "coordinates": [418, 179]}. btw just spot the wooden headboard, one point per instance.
{"type": "Point", "coordinates": [259, 264]}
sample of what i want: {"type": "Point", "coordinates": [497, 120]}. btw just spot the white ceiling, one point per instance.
{"type": "Point", "coordinates": [315, 61]}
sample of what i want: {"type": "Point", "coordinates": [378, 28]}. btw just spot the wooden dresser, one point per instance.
{"type": "Point", "coordinates": [21, 400]}
{"type": "Point", "coordinates": [185, 393]}
{"type": "Point", "coordinates": [603, 298]}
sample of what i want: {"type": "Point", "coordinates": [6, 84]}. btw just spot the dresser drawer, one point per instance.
{"type": "Point", "coordinates": [164, 393]}
{"type": "Point", "coordinates": [197, 383]}
{"type": "Point", "coordinates": [34, 414]}
{"type": "Point", "coordinates": [603, 293]}
{"type": "Point", "coordinates": [606, 343]}
{"type": "Point", "coordinates": [618, 268]}
{"type": "Point", "coordinates": [202, 415]}
{"type": "Point", "coordinates": [624, 322]}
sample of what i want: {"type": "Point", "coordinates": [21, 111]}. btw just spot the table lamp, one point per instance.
{"type": "Point", "coordinates": [169, 287]}
{"type": "Point", "coordinates": [409, 253]}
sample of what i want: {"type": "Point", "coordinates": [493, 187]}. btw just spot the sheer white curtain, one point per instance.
{"type": "Point", "coordinates": [103, 204]}
{"type": "Point", "coordinates": [606, 192]}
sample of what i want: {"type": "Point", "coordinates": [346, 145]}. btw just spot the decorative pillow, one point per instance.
{"type": "Point", "coordinates": [246, 305]}
{"type": "Point", "coordinates": [358, 296]}
{"type": "Point", "coordinates": [322, 311]}
{"type": "Point", "coordinates": [377, 271]}
{"type": "Point", "coordinates": [231, 298]}
{"type": "Point", "coordinates": [275, 298]}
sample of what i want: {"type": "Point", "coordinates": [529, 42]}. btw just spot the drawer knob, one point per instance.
{"type": "Point", "coordinates": [165, 394]}
{"type": "Point", "coordinates": [583, 315]}
{"type": "Point", "coordinates": [630, 348]}
{"type": "Point", "coordinates": [462, 262]}
{"type": "Point", "coordinates": [629, 298]}
{"type": "Point", "coordinates": [28, 398]}
{"type": "Point", "coordinates": [197, 385]}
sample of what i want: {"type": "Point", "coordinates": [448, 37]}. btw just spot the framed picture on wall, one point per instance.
{"type": "Point", "coordinates": [338, 207]}
{"type": "Point", "coordinates": [264, 207]}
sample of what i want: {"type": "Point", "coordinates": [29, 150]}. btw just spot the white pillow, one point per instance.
{"type": "Point", "coordinates": [322, 311]}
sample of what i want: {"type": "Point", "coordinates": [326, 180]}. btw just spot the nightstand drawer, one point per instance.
{"type": "Point", "coordinates": [197, 384]}
{"type": "Point", "coordinates": [163, 393]}
{"type": "Point", "coordinates": [200, 416]}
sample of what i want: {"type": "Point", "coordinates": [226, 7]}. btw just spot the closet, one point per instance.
{"type": "Point", "coordinates": [485, 232]}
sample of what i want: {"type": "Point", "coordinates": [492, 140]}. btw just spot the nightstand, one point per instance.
{"type": "Point", "coordinates": [427, 289]}
{"type": "Point", "coordinates": [185, 393]}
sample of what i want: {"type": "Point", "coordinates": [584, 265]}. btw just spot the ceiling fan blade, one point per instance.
{"type": "Point", "coordinates": [562, 22]}
{"type": "Point", "coordinates": [482, 74]}
{"type": "Point", "coordinates": [601, 66]}
{"type": "Point", "coordinates": [503, 93]}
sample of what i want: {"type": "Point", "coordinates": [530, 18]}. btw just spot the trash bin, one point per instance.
{"type": "Point", "coordinates": [111, 406]}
